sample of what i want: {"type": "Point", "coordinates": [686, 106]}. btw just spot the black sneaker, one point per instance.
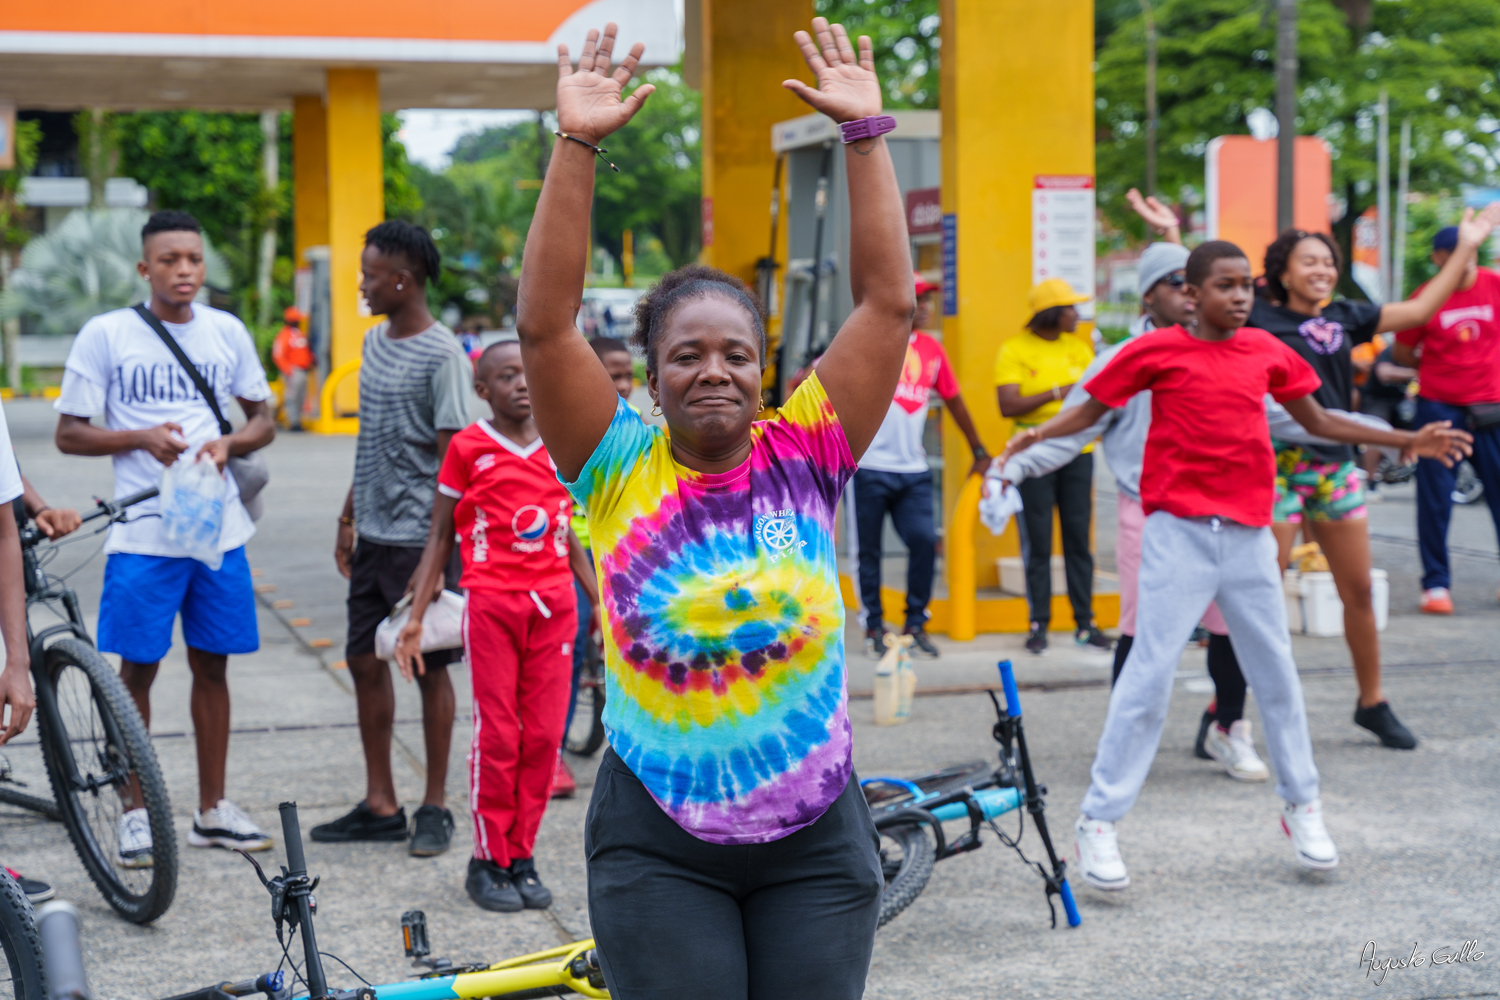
{"type": "Point", "coordinates": [875, 642]}
{"type": "Point", "coordinates": [36, 892]}
{"type": "Point", "coordinates": [490, 887]}
{"type": "Point", "coordinates": [524, 877]}
{"type": "Point", "coordinates": [431, 831]}
{"type": "Point", "coordinates": [1092, 637]}
{"type": "Point", "coordinates": [1036, 641]}
{"type": "Point", "coordinates": [1199, 750]}
{"type": "Point", "coordinates": [360, 823]}
{"type": "Point", "coordinates": [922, 642]}
{"type": "Point", "coordinates": [1380, 720]}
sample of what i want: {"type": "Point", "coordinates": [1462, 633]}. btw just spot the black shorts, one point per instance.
{"type": "Point", "coordinates": [677, 918]}
{"type": "Point", "coordinates": [377, 581]}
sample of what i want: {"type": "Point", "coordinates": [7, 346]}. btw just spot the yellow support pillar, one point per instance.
{"type": "Point", "coordinates": [1017, 100]}
{"type": "Point", "coordinates": [309, 174]}
{"type": "Point", "coordinates": [356, 201]}
{"type": "Point", "coordinates": [747, 52]}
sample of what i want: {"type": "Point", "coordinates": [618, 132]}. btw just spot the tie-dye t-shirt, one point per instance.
{"type": "Point", "coordinates": [723, 621]}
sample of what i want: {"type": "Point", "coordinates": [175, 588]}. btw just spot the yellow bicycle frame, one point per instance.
{"type": "Point", "coordinates": [552, 967]}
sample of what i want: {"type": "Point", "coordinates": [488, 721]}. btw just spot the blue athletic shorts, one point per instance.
{"type": "Point", "coordinates": [143, 594]}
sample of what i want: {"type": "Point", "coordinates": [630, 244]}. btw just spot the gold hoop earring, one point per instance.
{"type": "Point", "coordinates": [656, 407]}
{"type": "Point", "coordinates": [760, 404]}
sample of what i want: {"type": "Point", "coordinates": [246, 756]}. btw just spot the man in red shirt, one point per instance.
{"type": "Point", "coordinates": [498, 490]}
{"type": "Point", "coordinates": [293, 357]}
{"type": "Point", "coordinates": [1457, 357]}
{"type": "Point", "coordinates": [1207, 486]}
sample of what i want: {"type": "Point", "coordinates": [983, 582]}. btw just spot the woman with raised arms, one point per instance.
{"type": "Point", "coordinates": [730, 851]}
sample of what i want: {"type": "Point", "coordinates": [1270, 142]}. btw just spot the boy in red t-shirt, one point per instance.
{"type": "Point", "coordinates": [1207, 486]}
{"type": "Point", "coordinates": [498, 490]}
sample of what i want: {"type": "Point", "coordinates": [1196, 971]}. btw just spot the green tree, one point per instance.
{"type": "Point", "coordinates": [13, 231]}
{"type": "Point", "coordinates": [905, 37]}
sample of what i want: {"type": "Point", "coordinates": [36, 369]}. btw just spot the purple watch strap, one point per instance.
{"type": "Point", "coordinates": [867, 128]}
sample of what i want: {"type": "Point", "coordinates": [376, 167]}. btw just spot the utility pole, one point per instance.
{"type": "Point", "coordinates": [1152, 119]}
{"type": "Point", "coordinates": [270, 168]}
{"type": "Point", "coordinates": [1403, 183]}
{"type": "Point", "coordinates": [1286, 110]}
{"type": "Point", "coordinates": [1383, 192]}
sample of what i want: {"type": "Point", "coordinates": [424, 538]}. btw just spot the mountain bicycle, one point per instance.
{"type": "Point", "coordinates": [562, 971]}
{"type": "Point", "coordinates": [21, 976]}
{"type": "Point", "coordinates": [97, 752]}
{"type": "Point", "coordinates": [909, 814]}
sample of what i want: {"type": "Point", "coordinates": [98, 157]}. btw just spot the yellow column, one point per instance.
{"type": "Point", "coordinates": [1017, 100]}
{"type": "Point", "coordinates": [309, 174]}
{"type": "Point", "coordinates": [747, 52]}
{"type": "Point", "coordinates": [356, 201]}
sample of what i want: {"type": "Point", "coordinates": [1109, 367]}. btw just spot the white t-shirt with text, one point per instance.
{"type": "Point", "coordinates": [120, 368]}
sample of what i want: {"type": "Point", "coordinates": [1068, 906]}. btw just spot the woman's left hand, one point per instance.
{"type": "Point", "coordinates": [847, 88]}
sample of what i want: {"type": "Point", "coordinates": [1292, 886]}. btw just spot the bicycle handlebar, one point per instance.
{"type": "Point", "coordinates": [112, 508]}
{"type": "Point", "coordinates": [57, 926]}
{"type": "Point", "coordinates": [291, 837]}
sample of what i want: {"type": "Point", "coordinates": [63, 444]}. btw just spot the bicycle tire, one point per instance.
{"type": "Point", "coordinates": [1467, 486]}
{"type": "Point", "coordinates": [23, 977]}
{"type": "Point", "coordinates": [91, 817]}
{"type": "Point", "coordinates": [905, 879]}
{"type": "Point", "coordinates": [585, 732]}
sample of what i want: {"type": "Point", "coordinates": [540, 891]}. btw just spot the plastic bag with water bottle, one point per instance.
{"type": "Point", "coordinates": [192, 508]}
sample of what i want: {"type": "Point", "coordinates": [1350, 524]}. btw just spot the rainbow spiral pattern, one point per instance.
{"type": "Point", "coordinates": [724, 624]}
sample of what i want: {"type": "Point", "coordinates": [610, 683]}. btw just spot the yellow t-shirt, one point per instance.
{"type": "Point", "coordinates": [1036, 365]}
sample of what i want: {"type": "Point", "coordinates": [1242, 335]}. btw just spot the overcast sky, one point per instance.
{"type": "Point", "coordinates": [429, 134]}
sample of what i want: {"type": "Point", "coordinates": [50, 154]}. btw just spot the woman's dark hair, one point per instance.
{"type": "Point", "coordinates": [695, 281]}
{"type": "Point", "coordinates": [1047, 319]}
{"type": "Point", "coordinates": [395, 238]}
{"type": "Point", "coordinates": [1201, 261]}
{"type": "Point", "coordinates": [1280, 251]}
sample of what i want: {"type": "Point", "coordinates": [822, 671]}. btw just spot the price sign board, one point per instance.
{"type": "Point", "coordinates": [1062, 230]}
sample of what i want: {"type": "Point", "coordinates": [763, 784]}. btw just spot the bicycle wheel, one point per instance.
{"type": "Point", "coordinates": [21, 977]}
{"type": "Point", "coordinates": [1467, 486]}
{"type": "Point", "coordinates": [585, 733]}
{"type": "Point", "coordinates": [906, 859]}
{"type": "Point", "coordinates": [98, 758]}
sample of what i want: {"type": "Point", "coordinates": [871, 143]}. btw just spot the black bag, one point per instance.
{"type": "Point", "coordinates": [250, 471]}
{"type": "Point", "coordinates": [1483, 416]}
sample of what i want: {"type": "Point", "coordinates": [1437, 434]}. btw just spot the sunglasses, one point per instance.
{"type": "Point", "coordinates": [1176, 279]}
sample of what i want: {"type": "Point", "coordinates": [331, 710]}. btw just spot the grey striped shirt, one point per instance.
{"type": "Point", "coordinates": [409, 389]}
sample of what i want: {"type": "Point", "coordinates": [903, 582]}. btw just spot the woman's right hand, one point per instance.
{"type": "Point", "coordinates": [847, 87]}
{"type": "Point", "coordinates": [589, 104]}
{"type": "Point", "coordinates": [409, 649]}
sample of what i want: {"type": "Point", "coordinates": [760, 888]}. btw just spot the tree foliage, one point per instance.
{"type": "Point", "coordinates": [12, 233]}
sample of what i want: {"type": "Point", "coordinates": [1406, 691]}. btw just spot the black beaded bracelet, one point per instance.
{"type": "Point", "coordinates": [599, 151]}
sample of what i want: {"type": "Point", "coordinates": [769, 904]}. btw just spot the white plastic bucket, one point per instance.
{"type": "Point", "coordinates": [1314, 609]}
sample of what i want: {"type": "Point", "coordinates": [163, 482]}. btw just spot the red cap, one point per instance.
{"type": "Point", "coordinates": [923, 285]}
{"type": "Point", "coordinates": [293, 315]}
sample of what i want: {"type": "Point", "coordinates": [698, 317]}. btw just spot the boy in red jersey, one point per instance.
{"type": "Point", "coordinates": [498, 490]}
{"type": "Point", "coordinates": [1207, 487]}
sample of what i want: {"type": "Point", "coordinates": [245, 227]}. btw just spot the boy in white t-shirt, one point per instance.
{"type": "Point", "coordinates": [154, 415]}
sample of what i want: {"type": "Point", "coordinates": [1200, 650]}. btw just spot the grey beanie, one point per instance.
{"type": "Point", "coordinates": [1158, 261]}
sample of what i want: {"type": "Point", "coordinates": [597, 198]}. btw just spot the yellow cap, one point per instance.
{"type": "Point", "coordinates": [1053, 292]}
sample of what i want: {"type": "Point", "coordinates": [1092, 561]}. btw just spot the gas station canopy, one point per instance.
{"type": "Point", "coordinates": [251, 56]}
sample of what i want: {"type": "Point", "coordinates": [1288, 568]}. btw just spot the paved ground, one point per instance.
{"type": "Point", "coordinates": [1218, 909]}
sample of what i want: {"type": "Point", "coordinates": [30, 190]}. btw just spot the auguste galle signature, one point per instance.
{"type": "Point", "coordinates": [1374, 965]}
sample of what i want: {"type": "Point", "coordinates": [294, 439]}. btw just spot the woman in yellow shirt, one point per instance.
{"type": "Point", "coordinates": [1033, 374]}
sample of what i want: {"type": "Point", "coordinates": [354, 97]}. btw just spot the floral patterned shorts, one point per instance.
{"type": "Point", "coordinates": [1317, 491]}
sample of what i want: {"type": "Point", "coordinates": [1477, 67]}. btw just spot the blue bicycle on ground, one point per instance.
{"type": "Point", "coordinates": [909, 814]}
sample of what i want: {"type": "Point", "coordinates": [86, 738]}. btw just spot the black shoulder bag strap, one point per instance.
{"type": "Point", "coordinates": [193, 373]}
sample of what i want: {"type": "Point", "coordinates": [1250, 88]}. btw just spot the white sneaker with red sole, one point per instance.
{"type": "Point", "coordinates": [1303, 826]}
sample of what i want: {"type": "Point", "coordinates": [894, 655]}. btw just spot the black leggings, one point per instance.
{"type": "Point", "coordinates": [1223, 667]}
{"type": "Point", "coordinates": [677, 917]}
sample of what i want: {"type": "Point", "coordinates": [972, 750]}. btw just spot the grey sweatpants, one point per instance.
{"type": "Point", "coordinates": [1185, 563]}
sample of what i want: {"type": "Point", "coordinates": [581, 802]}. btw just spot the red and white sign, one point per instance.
{"type": "Point", "coordinates": [1062, 230]}
{"type": "Point", "coordinates": [708, 222]}
{"type": "Point", "coordinates": [924, 211]}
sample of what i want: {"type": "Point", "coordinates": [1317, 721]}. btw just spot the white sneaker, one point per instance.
{"type": "Point", "coordinates": [1096, 851]}
{"type": "Point", "coordinates": [226, 825]}
{"type": "Point", "coordinates": [134, 835]}
{"type": "Point", "coordinates": [1236, 751]}
{"type": "Point", "coordinates": [1303, 825]}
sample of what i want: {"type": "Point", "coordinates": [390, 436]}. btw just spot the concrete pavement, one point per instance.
{"type": "Point", "coordinates": [1218, 908]}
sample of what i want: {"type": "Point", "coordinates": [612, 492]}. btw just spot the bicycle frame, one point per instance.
{"type": "Point", "coordinates": [564, 966]}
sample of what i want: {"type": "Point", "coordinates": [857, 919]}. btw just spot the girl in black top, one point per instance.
{"type": "Point", "coordinates": [1316, 486]}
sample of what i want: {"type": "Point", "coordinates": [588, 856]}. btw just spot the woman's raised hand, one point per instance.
{"type": "Point", "coordinates": [847, 88]}
{"type": "Point", "coordinates": [589, 105]}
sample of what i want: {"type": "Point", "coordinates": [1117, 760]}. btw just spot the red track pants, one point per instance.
{"type": "Point", "coordinates": [520, 646]}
